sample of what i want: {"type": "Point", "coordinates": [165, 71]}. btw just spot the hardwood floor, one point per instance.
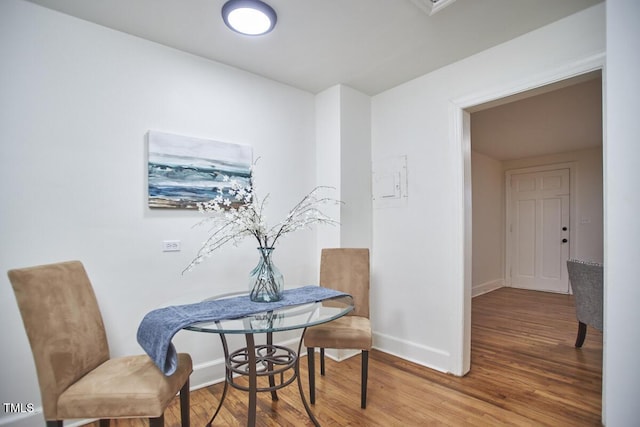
{"type": "Point", "coordinates": [525, 371]}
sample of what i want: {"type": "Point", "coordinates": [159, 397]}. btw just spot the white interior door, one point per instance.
{"type": "Point", "coordinates": [539, 230]}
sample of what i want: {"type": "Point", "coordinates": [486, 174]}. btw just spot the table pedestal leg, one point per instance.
{"type": "Point", "coordinates": [228, 374]}
{"type": "Point", "coordinates": [300, 388]}
{"type": "Point", "coordinates": [253, 380]}
{"type": "Point", "coordinates": [244, 362]}
{"type": "Point", "coordinates": [272, 379]}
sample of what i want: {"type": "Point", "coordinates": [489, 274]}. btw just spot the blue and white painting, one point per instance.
{"type": "Point", "coordinates": [184, 171]}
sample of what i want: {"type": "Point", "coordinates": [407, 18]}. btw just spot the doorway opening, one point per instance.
{"type": "Point", "coordinates": [460, 113]}
{"type": "Point", "coordinates": [536, 180]}
{"type": "Point", "coordinates": [463, 121]}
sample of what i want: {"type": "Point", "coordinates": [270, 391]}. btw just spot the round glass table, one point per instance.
{"type": "Point", "coordinates": [278, 363]}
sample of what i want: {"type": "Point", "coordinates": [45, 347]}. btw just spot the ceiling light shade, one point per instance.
{"type": "Point", "coordinates": [250, 17]}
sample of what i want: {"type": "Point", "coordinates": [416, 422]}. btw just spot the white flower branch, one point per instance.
{"type": "Point", "coordinates": [240, 215]}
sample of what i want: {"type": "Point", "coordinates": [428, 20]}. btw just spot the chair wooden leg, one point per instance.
{"type": "Point", "coordinates": [104, 422]}
{"type": "Point", "coordinates": [185, 405]}
{"type": "Point", "coordinates": [157, 422]}
{"type": "Point", "coordinates": [322, 361]}
{"type": "Point", "coordinates": [365, 375]}
{"type": "Point", "coordinates": [582, 333]}
{"type": "Point", "coordinates": [311, 362]}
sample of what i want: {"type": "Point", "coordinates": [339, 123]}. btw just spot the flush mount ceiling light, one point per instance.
{"type": "Point", "coordinates": [250, 17]}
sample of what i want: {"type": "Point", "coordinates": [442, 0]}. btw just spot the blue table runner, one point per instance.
{"type": "Point", "coordinates": [159, 326]}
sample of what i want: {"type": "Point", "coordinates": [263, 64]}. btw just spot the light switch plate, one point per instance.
{"type": "Point", "coordinates": [171, 245]}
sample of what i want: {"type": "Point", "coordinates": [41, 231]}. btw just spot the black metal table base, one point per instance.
{"type": "Point", "coordinates": [280, 364]}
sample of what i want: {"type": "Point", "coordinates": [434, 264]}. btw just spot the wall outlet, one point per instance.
{"type": "Point", "coordinates": [171, 245]}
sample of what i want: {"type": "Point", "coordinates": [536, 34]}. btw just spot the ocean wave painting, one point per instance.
{"type": "Point", "coordinates": [183, 171]}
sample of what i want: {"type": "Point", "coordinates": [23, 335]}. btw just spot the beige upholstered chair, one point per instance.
{"type": "Point", "coordinates": [69, 344]}
{"type": "Point", "coordinates": [346, 270]}
{"type": "Point", "coordinates": [587, 284]}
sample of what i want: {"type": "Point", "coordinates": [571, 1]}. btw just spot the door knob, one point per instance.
{"type": "Point", "coordinates": [564, 240]}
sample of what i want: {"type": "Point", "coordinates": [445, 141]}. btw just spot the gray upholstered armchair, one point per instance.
{"type": "Point", "coordinates": [587, 282]}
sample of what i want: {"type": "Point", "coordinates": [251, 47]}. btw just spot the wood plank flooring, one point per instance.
{"type": "Point", "coordinates": [525, 371]}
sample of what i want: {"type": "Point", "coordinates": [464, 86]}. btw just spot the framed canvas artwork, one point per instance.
{"type": "Point", "coordinates": [183, 171]}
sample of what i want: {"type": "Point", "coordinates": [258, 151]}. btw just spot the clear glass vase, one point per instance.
{"type": "Point", "coordinates": [266, 282]}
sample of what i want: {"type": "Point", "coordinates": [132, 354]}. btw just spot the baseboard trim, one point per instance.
{"type": "Point", "coordinates": [204, 375]}
{"type": "Point", "coordinates": [339, 354]}
{"type": "Point", "coordinates": [486, 287]}
{"type": "Point", "coordinates": [25, 419]}
{"type": "Point", "coordinates": [213, 371]}
{"type": "Point", "coordinates": [430, 357]}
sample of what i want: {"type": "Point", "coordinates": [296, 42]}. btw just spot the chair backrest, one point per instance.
{"type": "Point", "coordinates": [64, 325]}
{"type": "Point", "coordinates": [587, 282]}
{"type": "Point", "coordinates": [347, 270]}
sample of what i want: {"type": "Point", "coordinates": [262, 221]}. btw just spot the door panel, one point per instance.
{"type": "Point", "coordinates": [526, 234]}
{"type": "Point", "coordinates": [552, 234]}
{"type": "Point", "coordinates": [539, 223]}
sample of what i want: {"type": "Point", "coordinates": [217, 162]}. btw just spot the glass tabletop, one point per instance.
{"type": "Point", "coordinates": [281, 319]}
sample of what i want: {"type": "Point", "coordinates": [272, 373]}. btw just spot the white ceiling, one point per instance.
{"type": "Point", "coordinates": [369, 45]}
{"type": "Point", "coordinates": [553, 119]}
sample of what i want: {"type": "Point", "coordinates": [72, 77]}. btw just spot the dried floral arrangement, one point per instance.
{"type": "Point", "coordinates": [237, 212]}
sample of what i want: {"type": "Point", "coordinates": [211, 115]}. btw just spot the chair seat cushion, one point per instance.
{"type": "Point", "coordinates": [348, 332]}
{"type": "Point", "coordinates": [131, 386]}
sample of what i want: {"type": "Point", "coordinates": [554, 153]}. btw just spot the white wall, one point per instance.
{"type": "Point", "coordinates": [421, 245]}
{"type": "Point", "coordinates": [621, 380]}
{"type": "Point", "coordinates": [343, 160]}
{"type": "Point", "coordinates": [77, 100]}
{"type": "Point", "coordinates": [328, 166]}
{"type": "Point", "coordinates": [488, 223]}
{"type": "Point", "coordinates": [355, 168]}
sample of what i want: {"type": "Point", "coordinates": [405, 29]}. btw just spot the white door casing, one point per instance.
{"type": "Point", "coordinates": [460, 135]}
{"type": "Point", "coordinates": [538, 228]}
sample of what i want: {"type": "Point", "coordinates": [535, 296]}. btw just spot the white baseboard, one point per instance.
{"type": "Point", "coordinates": [207, 373]}
{"type": "Point", "coordinates": [35, 418]}
{"type": "Point", "coordinates": [432, 358]}
{"type": "Point", "coordinates": [203, 375]}
{"type": "Point", "coordinates": [25, 419]}
{"type": "Point", "coordinates": [339, 354]}
{"type": "Point", "coordinates": [213, 371]}
{"type": "Point", "coordinates": [486, 287]}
